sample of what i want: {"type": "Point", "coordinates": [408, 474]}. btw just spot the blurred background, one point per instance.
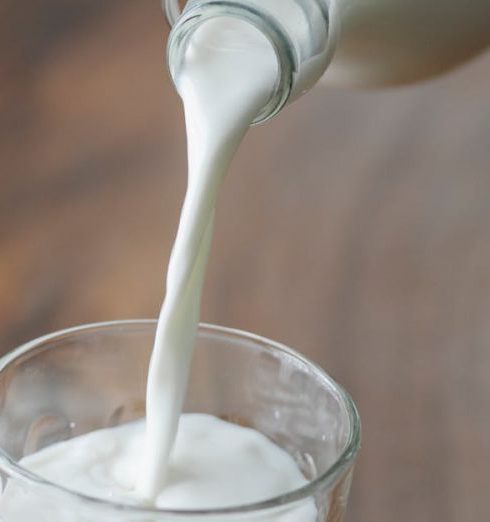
{"type": "Point", "coordinates": [354, 227]}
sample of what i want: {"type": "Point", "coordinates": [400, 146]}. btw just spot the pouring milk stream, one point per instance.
{"type": "Point", "coordinates": [235, 63]}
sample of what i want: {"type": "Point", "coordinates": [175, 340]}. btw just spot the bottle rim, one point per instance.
{"type": "Point", "coordinates": [187, 21]}
{"type": "Point", "coordinates": [172, 10]}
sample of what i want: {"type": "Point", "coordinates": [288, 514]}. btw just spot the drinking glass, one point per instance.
{"type": "Point", "coordinates": [85, 378]}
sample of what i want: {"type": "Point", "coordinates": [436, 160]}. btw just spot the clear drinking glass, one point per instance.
{"type": "Point", "coordinates": [90, 377]}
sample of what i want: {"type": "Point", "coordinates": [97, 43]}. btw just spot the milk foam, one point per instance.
{"type": "Point", "coordinates": [213, 464]}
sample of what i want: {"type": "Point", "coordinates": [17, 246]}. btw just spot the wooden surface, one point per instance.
{"type": "Point", "coordinates": [354, 227]}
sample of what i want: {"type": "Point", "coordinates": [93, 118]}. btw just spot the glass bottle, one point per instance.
{"type": "Point", "coordinates": [353, 43]}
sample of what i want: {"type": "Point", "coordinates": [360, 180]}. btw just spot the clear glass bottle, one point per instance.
{"type": "Point", "coordinates": [362, 43]}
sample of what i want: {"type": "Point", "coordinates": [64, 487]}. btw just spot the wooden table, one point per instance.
{"type": "Point", "coordinates": [354, 227]}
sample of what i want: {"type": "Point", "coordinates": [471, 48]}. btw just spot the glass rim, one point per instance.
{"type": "Point", "coordinates": [324, 480]}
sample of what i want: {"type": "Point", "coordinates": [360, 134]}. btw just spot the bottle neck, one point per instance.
{"type": "Point", "coordinates": [298, 31]}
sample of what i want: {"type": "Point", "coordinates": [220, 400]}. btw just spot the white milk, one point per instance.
{"type": "Point", "coordinates": [213, 464]}
{"type": "Point", "coordinates": [228, 75]}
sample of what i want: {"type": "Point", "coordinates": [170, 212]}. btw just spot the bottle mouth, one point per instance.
{"type": "Point", "coordinates": [185, 23]}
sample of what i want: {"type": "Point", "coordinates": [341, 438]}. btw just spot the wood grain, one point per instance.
{"type": "Point", "coordinates": [354, 227]}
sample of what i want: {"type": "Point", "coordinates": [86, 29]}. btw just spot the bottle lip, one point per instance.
{"type": "Point", "coordinates": [172, 10]}
{"type": "Point", "coordinates": [192, 17]}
